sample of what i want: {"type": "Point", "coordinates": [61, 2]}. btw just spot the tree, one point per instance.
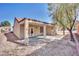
{"type": "Point", "coordinates": [5, 23]}
{"type": "Point", "coordinates": [52, 9]}
{"type": "Point", "coordinates": [65, 15]}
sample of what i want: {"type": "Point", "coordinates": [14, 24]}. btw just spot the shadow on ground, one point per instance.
{"type": "Point", "coordinates": [32, 41]}
{"type": "Point", "coordinates": [53, 48]}
{"type": "Point", "coordinates": [12, 38]}
{"type": "Point", "coordinates": [56, 48]}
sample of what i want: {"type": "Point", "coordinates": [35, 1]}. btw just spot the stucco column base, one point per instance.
{"type": "Point", "coordinates": [44, 37]}
{"type": "Point", "coordinates": [44, 33]}
{"type": "Point", "coordinates": [26, 41]}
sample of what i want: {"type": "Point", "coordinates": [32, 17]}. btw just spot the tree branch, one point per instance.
{"type": "Point", "coordinates": [74, 20]}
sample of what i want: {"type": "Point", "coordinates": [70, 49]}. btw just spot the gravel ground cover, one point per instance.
{"type": "Point", "coordinates": [37, 47]}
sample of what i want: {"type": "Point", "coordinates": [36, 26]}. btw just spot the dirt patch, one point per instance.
{"type": "Point", "coordinates": [56, 48]}
{"type": "Point", "coordinates": [36, 47]}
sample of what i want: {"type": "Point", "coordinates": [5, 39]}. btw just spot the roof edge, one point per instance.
{"type": "Point", "coordinates": [32, 20]}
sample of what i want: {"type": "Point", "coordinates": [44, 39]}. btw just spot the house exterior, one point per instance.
{"type": "Point", "coordinates": [5, 29]}
{"type": "Point", "coordinates": [24, 28]}
{"type": "Point", "coordinates": [77, 26]}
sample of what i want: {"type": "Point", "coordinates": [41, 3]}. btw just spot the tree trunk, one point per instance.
{"type": "Point", "coordinates": [63, 32]}
{"type": "Point", "coordinates": [71, 35]}
{"type": "Point", "coordinates": [54, 30]}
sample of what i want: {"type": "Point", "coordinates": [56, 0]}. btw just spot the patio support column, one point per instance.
{"type": "Point", "coordinates": [26, 35]}
{"type": "Point", "coordinates": [44, 29]}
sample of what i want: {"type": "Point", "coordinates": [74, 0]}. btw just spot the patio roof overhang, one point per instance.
{"type": "Point", "coordinates": [33, 21]}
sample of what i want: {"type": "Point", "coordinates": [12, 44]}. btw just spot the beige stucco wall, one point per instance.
{"type": "Point", "coordinates": [36, 30]}
{"type": "Point", "coordinates": [16, 29]}
{"type": "Point", "coordinates": [21, 31]}
{"type": "Point", "coordinates": [49, 30]}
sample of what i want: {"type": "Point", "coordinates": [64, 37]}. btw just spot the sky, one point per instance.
{"type": "Point", "coordinates": [8, 11]}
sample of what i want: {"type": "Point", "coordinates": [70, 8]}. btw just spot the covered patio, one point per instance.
{"type": "Point", "coordinates": [33, 28]}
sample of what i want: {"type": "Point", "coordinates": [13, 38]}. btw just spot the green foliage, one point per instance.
{"type": "Point", "coordinates": [2, 31]}
{"type": "Point", "coordinates": [5, 23]}
{"type": "Point", "coordinates": [64, 14]}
